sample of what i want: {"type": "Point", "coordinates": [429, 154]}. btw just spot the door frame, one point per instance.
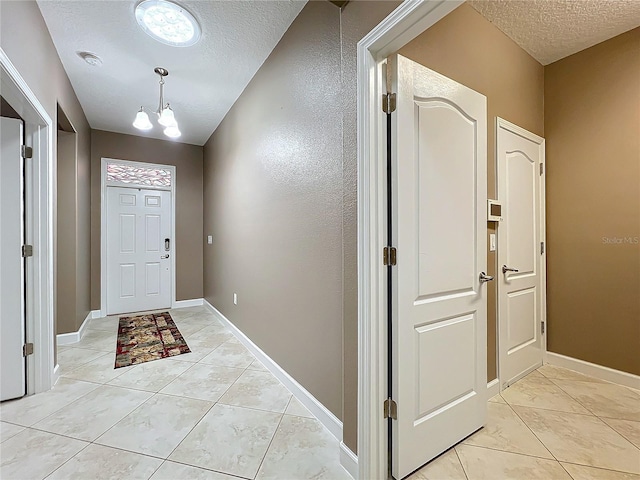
{"type": "Point", "coordinates": [405, 23]}
{"type": "Point", "coordinates": [40, 178]}
{"type": "Point", "coordinates": [103, 223]}
{"type": "Point", "coordinates": [512, 127]}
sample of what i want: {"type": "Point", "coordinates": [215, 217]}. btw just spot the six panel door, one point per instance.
{"type": "Point", "coordinates": [139, 247]}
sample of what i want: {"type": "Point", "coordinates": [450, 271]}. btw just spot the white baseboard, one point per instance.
{"type": "Point", "coordinates": [348, 460]}
{"type": "Point", "coordinates": [194, 302]}
{"type": "Point", "coordinates": [493, 388]}
{"type": "Point", "coordinates": [56, 375]}
{"type": "Point", "coordinates": [74, 337]}
{"type": "Point", "coordinates": [597, 371]}
{"type": "Point", "coordinates": [321, 412]}
{"type": "Point", "coordinates": [96, 314]}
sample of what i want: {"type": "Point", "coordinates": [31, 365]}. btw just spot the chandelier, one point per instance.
{"type": "Point", "coordinates": [165, 115]}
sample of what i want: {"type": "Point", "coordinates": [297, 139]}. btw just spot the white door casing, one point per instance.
{"type": "Point", "coordinates": [439, 147]}
{"type": "Point", "coordinates": [139, 249]}
{"type": "Point", "coordinates": [521, 296]}
{"type": "Point", "coordinates": [39, 177]}
{"type": "Point", "coordinates": [12, 300]}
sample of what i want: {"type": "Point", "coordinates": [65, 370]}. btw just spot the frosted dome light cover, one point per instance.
{"type": "Point", "coordinates": [168, 23]}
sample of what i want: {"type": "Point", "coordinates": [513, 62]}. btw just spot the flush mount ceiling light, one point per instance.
{"type": "Point", "coordinates": [168, 22]}
{"type": "Point", "coordinates": [166, 118]}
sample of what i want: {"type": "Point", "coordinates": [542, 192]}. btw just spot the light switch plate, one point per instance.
{"type": "Point", "coordinates": [210, 239]}
{"type": "Point", "coordinates": [492, 242]}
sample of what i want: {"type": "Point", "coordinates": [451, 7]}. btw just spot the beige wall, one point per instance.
{"type": "Point", "coordinates": [189, 237]}
{"type": "Point", "coordinates": [273, 203]}
{"type": "Point", "coordinates": [66, 234]}
{"type": "Point", "coordinates": [467, 48]}
{"type": "Point", "coordinates": [25, 39]}
{"type": "Point", "coordinates": [592, 127]}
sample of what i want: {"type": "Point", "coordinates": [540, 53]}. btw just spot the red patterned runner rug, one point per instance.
{"type": "Point", "coordinates": [148, 337]}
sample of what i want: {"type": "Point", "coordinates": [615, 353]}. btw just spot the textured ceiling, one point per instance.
{"type": "Point", "coordinates": [204, 80]}
{"type": "Point", "coordinates": [553, 29]}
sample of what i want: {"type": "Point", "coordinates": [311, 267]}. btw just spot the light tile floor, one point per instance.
{"type": "Point", "coordinates": [552, 424]}
{"type": "Point", "coordinates": [216, 413]}
{"type": "Point", "coordinates": [213, 414]}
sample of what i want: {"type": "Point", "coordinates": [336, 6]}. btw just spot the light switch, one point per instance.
{"type": "Point", "coordinates": [210, 239]}
{"type": "Point", "coordinates": [492, 242]}
{"type": "Point", "coordinates": [235, 298]}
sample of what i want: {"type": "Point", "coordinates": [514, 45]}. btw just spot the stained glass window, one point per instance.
{"type": "Point", "coordinates": [152, 177]}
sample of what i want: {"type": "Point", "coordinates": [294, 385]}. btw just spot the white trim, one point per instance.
{"type": "Point", "coordinates": [406, 22]}
{"type": "Point", "coordinates": [194, 302]}
{"type": "Point", "coordinates": [594, 370]}
{"type": "Point", "coordinates": [493, 388]}
{"type": "Point", "coordinates": [96, 314]}
{"type": "Point", "coordinates": [103, 223]}
{"type": "Point", "coordinates": [39, 213]}
{"type": "Point", "coordinates": [321, 412]}
{"type": "Point", "coordinates": [348, 460]}
{"type": "Point", "coordinates": [56, 375]}
{"type": "Point", "coordinates": [512, 127]}
{"type": "Point", "coordinates": [74, 337]}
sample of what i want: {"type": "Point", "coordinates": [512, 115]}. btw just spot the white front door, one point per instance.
{"type": "Point", "coordinates": [12, 305]}
{"type": "Point", "coordinates": [520, 256]}
{"type": "Point", "coordinates": [439, 145]}
{"type": "Point", "coordinates": [139, 247]}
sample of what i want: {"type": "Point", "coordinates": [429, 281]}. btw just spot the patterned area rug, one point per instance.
{"type": "Point", "coordinates": [148, 337]}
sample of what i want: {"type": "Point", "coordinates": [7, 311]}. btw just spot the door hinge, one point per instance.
{"type": "Point", "coordinates": [541, 168]}
{"type": "Point", "coordinates": [389, 256]}
{"type": "Point", "coordinates": [541, 248]}
{"type": "Point", "coordinates": [390, 409]}
{"type": "Point", "coordinates": [27, 251]}
{"type": "Point", "coordinates": [27, 349]}
{"type": "Point", "coordinates": [26, 152]}
{"type": "Point", "coordinates": [542, 327]}
{"type": "Point", "coordinates": [389, 103]}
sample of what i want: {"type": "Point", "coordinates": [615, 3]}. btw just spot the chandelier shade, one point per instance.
{"type": "Point", "coordinates": [142, 121]}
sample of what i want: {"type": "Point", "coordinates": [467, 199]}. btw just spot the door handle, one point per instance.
{"type": "Point", "coordinates": [484, 278]}
{"type": "Point", "coordinates": [167, 244]}
{"type": "Point", "coordinates": [164, 256]}
{"type": "Point", "coordinates": [506, 269]}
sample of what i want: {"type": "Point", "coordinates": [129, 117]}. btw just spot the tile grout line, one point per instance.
{"type": "Point", "coordinates": [67, 460]}
{"type": "Point", "coordinates": [619, 433]}
{"type": "Point", "coordinates": [593, 414]}
{"type": "Point", "coordinates": [207, 469]}
{"type": "Point", "coordinates": [512, 453]}
{"type": "Point", "coordinates": [574, 398]}
{"type": "Point", "coordinates": [266, 452]}
{"type": "Point", "coordinates": [531, 430]}
{"type": "Point", "coordinates": [570, 476]}
{"type": "Point", "coordinates": [598, 468]}
{"type": "Point", "coordinates": [587, 415]}
{"type": "Point", "coordinates": [464, 470]}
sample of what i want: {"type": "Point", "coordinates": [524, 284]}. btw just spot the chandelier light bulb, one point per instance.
{"type": "Point", "coordinates": [142, 121]}
{"type": "Point", "coordinates": [173, 131]}
{"type": "Point", "coordinates": [167, 119]}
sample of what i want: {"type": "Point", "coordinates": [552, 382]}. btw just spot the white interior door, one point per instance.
{"type": "Point", "coordinates": [520, 257]}
{"type": "Point", "coordinates": [139, 247]}
{"type": "Point", "coordinates": [12, 320]}
{"type": "Point", "coordinates": [439, 137]}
